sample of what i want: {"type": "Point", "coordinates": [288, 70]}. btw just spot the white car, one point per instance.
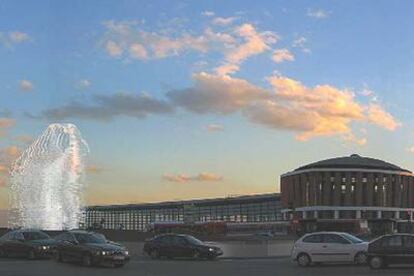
{"type": "Point", "coordinates": [326, 247]}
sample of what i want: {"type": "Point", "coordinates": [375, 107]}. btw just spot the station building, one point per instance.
{"type": "Point", "coordinates": [249, 209]}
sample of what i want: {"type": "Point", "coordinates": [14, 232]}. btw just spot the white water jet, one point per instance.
{"type": "Point", "coordinates": [47, 180]}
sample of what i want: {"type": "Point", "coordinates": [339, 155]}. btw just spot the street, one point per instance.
{"type": "Point", "coordinates": [148, 267]}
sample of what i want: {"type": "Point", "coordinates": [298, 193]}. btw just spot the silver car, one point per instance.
{"type": "Point", "coordinates": [329, 247]}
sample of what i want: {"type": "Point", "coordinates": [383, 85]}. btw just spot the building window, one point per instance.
{"type": "Point", "coordinates": [364, 180]}
{"type": "Point", "coordinates": [353, 180]}
{"type": "Point", "coordinates": [343, 179]}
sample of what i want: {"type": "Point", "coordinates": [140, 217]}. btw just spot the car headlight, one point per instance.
{"type": "Point", "coordinates": [43, 247]}
{"type": "Point", "coordinates": [211, 249]}
{"type": "Point", "coordinates": [126, 252]}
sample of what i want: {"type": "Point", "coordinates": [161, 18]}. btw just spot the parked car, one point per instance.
{"type": "Point", "coordinates": [180, 246]}
{"type": "Point", "coordinates": [391, 249]}
{"type": "Point", "coordinates": [27, 243]}
{"type": "Point", "coordinates": [89, 248]}
{"type": "Point", "coordinates": [326, 247]}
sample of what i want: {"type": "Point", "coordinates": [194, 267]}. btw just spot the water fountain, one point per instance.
{"type": "Point", "coordinates": [47, 180]}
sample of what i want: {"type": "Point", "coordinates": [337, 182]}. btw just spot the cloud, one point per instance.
{"type": "Point", "coordinates": [105, 108]}
{"type": "Point", "coordinates": [378, 116]}
{"type": "Point", "coordinates": [93, 169]}
{"type": "Point", "coordinates": [24, 139]}
{"type": "Point", "coordinates": [281, 55]}
{"type": "Point", "coordinates": [216, 94]}
{"type": "Point", "coordinates": [18, 37]}
{"type": "Point", "coordinates": [25, 85]}
{"type": "Point", "coordinates": [318, 13]}
{"type": "Point", "coordinates": [208, 13]}
{"type": "Point", "coordinates": [138, 51]}
{"type": "Point", "coordinates": [131, 41]}
{"type": "Point", "coordinates": [224, 21]}
{"type": "Point", "coordinates": [113, 49]}
{"type": "Point", "coordinates": [300, 43]}
{"type": "Point", "coordinates": [201, 177]}
{"type": "Point", "coordinates": [309, 112]}
{"type": "Point", "coordinates": [214, 128]}
{"type": "Point", "coordinates": [7, 156]}
{"type": "Point", "coordinates": [254, 43]}
{"type": "Point", "coordinates": [9, 39]}
{"type": "Point", "coordinates": [83, 84]}
{"type": "Point", "coordinates": [6, 124]}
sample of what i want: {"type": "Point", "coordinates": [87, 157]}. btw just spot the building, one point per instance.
{"type": "Point", "coordinates": [241, 209]}
{"type": "Point", "coordinates": [351, 187]}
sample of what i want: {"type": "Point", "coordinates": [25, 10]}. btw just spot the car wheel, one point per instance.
{"type": "Point", "coordinates": [3, 253]}
{"type": "Point", "coordinates": [154, 254]}
{"type": "Point", "coordinates": [360, 258]}
{"type": "Point", "coordinates": [87, 260]}
{"type": "Point", "coordinates": [196, 255]}
{"type": "Point", "coordinates": [58, 257]}
{"type": "Point", "coordinates": [31, 255]}
{"type": "Point", "coordinates": [303, 260]}
{"type": "Point", "coordinates": [376, 262]}
{"type": "Point", "coordinates": [212, 258]}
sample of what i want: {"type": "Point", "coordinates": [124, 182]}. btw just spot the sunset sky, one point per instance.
{"type": "Point", "coordinates": [197, 99]}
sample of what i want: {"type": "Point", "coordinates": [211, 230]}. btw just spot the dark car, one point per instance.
{"type": "Point", "coordinates": [391, 249]}
{"type": "Point", "coordinates": [89, 248]}
{"type": "Point", "coordinates": [29, 244]}
{"type": "Point", "coordinates": [180, 246]}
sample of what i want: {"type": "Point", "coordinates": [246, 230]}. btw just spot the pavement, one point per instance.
{"type": "Point", "coordinates": [147, 267]}
{"type": "Point", "coordinates": [235, 249]}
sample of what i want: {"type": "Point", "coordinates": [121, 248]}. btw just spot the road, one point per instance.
{"type": "Point", "coordinates": [147, 267]}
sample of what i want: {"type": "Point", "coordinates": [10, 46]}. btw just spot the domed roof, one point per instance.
{"type": "Point", "coordinates": [354, 161]}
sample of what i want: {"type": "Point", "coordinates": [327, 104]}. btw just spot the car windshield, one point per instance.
{"type": "Point", "coordinates": [89, 238]}
{"type": "Point", "coordinates": [31, 236]}
{"type": "Point", "coordinates": [193, 240]}
{"type": "Point", "coordinates": [352, 238]}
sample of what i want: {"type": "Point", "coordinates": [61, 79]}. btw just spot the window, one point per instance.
{"type": "Point", "coordinates": [409, 242]}
{"type": "Point", "coordinates": [394, 241]}
{"type": "Point", "coordinates": [313, 239]}
{"type": "Point", "coordinates": [331, 238]}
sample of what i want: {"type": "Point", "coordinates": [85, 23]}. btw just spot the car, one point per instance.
{"type": "Point", "coordinates": [27, 243]}
{"type": "Point", "coordinates": [329, 247]}
{"type": "Point", "coordinates": [180, 246]}
{"type": "Point", "coordinates": [89, 248]}
{"type": "Point", "coordinates": [391, 249]}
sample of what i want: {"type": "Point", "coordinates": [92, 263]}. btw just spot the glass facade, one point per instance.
{"type": "Point", "coordinates": [255, 208]}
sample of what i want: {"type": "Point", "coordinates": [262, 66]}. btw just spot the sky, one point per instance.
{"type": "Point", "coordinates": [186, 99]}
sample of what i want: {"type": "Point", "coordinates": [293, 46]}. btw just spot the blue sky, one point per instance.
{"type": "Point", "coordinates": [182, 99]}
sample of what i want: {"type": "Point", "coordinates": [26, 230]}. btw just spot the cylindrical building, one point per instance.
{"type": "Point", "coordinates": [352, 187]}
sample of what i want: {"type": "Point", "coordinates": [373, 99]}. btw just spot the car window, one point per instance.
{"type": "Point", "coordinates": [313, 239]}
{"type": "Point", "coordinates": [31, 236]}
{"type": "Point", "coordinates": [179, 241]}
{"type": "Point", "coordinates": [394, 241]}
{"type": "Point", "coordinates": [18, 236]}
{"type": "Point", "coordinates": [165, 240]}
{"type": "Point", "coordinates": [332, 238]}
{"type": "Point", "coordinates": [6, 236]}
{"type": "Point", "coordinates": [409, 242]}
{"type": "Point", "coordinates": [88, 238]}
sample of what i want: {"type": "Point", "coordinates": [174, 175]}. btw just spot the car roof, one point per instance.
{"type": "Point", "coordinates": [326, 232]}
{"type": "Point", "coordinates": [171, 235]}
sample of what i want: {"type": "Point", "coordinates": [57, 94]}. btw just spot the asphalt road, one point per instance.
{"type": "Point", "coordinates": [256, 267]}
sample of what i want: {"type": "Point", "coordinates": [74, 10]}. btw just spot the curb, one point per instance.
{"type": "Point", "coordinates": [255, 258]}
